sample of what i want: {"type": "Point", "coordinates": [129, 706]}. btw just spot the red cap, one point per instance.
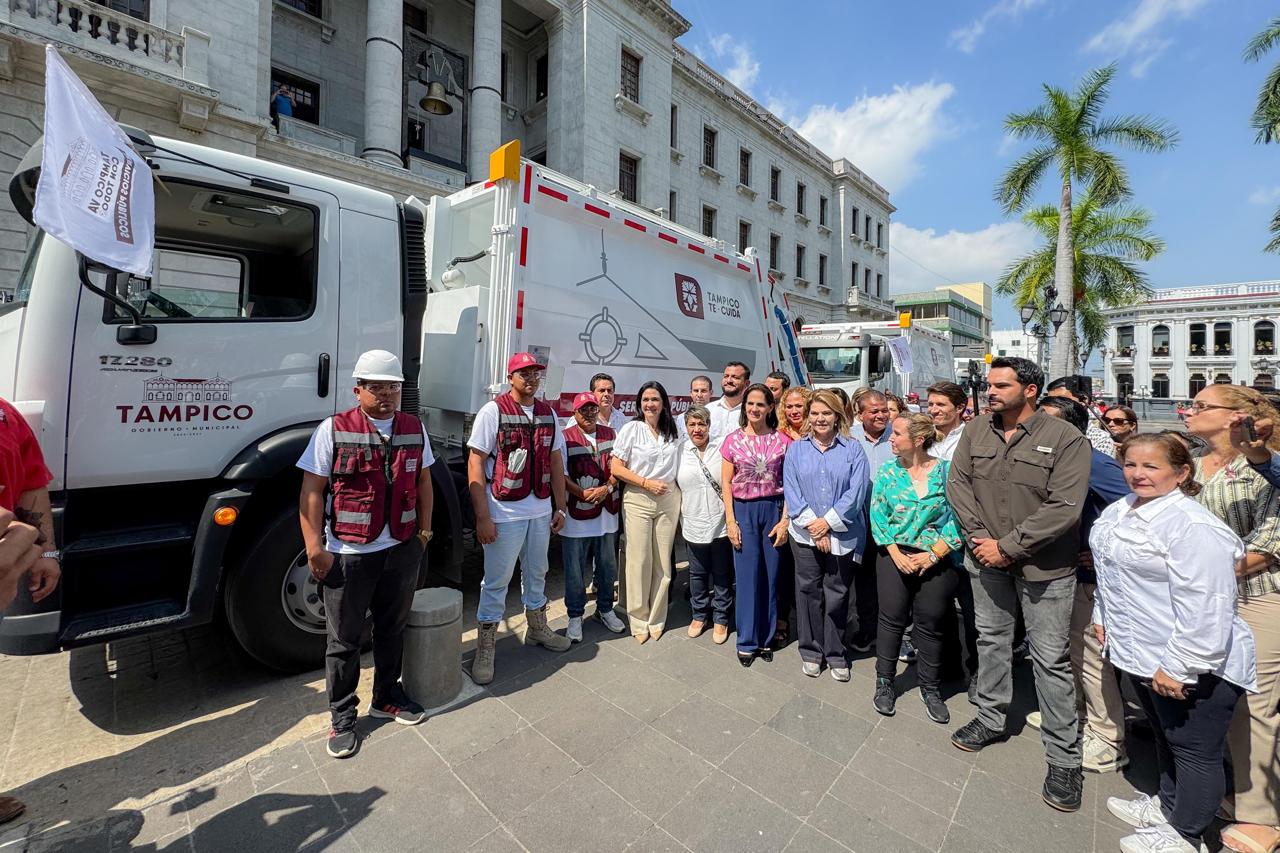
{"type": "Point", "coordinates": [522, 361]}
{"type": "Point", "coordinates": [913, 397]}
{"type": "Point", "coordinates": [586, 398]}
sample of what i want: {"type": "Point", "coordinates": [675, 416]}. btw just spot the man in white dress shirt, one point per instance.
{"type": "Point", "coordinates": [699, 395]}
{"type": "Point", "coordinates": [946, 402]}
{"type": "Point", "coordinates": [726, 411]}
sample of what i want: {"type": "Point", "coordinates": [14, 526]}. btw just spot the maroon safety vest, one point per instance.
{"type": "Point", "coordinates": [536, 437]}
{"type": "Point", "coordinates": [375, 483]}
{"type": "Point", "coordinates": [589, 467]}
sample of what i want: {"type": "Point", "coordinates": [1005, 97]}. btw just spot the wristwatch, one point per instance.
{"type": "Point", "coordinates": [933, 558]}
{"type": "Point", "coordinates": [55, 554]}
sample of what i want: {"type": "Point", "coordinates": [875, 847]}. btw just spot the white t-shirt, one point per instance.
{"type": "Point", "coordinates": [605, 522]}
{"type": "Point", "coordinates": [616, 420]}
{"type": "Point", "coordinates": [724, 420]}
{"type": "Point", "coordinates": [318, 459]}
{"type": "Point", "coordinates": [645, 454]}
{"type": "Point", "coordinates": [946, 448]}
{"type": "Point", "coordinates": [484, 437]}
{"type": "Point", "coordinates": [701, 509]}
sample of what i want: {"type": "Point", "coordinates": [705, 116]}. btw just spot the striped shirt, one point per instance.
{"type": "Point", "coordinates": [1240, 496]}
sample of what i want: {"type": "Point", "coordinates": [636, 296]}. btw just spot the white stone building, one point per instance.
{"type": "Point", "coordinates": [598, 89]}
{"type": "Point", "coordinates": [1172, 346]}
{"type": "Point", "coordinates": [1015, 342]}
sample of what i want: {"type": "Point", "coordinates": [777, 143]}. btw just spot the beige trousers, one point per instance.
{"type": "Point", "coordinates": [650, 522]}
{"type": "Point", "coordinates": [1096, 683]}
{"type": "Point", "coordinates": [1254, 737]}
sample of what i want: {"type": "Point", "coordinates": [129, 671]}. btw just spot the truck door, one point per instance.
{"type": "Point", "coordinates": [244, 299]}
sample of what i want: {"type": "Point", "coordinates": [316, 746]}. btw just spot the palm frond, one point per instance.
{"type": "Point", "coordinates": [1035, 124]}
{"type": "Point", "coordinates": [1019, 182]}
{"type": "Point", "coordinates": [1105, 176]}
{"type": "Point", "coordinates": [1092, 93]}
{"type": "Point", "coordinates": [1266, 112]}
{"type": "Point", "coordinates": [1274, 228]}
{"type": "Point", "coordinates": [1141, 133]}
{"type": "Point", "coordinates": [1262, 43]}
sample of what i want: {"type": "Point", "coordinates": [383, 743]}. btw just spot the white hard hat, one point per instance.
{"type": "Point", "coordinates": [378, 364]}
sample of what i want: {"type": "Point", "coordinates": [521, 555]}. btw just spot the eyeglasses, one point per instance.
{"type": "Point", "coordinates": [1197, 408]}
{"type": "Point", "coordinates": [381, 387]}
{"type": "Point", "coordinates": [1116, 421]}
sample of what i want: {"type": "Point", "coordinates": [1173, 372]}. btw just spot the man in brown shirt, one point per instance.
{"type": "Point", "coordinates": [1017, 484]}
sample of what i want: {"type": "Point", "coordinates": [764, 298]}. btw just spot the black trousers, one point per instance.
{"type": "Point", "coordinates": [380, 584]}
{"type": "Point", "coordinates": [711, 580]}
{"type": "Point", "coordinates": [1191, 737]}
{"type": "Point", "coordinates": [786, 585]}
{"type": "Point", "coordinates": [968, 627]}
{"type": "Point", "coordinates": [822, 603]}
{"type": "Point", "coordinates": [920, 598]}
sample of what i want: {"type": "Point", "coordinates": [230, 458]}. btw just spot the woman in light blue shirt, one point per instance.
{"type": "Point", "coordinates": [825, 483]}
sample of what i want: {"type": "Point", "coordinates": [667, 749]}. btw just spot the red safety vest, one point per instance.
{"type": "Point", "coordinates": [536, 437]}
{"type": "Point", "coordinates": [589, 467]}
{"type": "Point", "coordinates": [375, 483]}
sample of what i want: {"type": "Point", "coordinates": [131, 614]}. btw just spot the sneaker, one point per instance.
{"type": "Point", "coordinates": [1064, 788]}
{"type": "Point", "coordinates": [1140, 812]}
{"type": "Point", "coordinates": [1034, 720]}
{"type": "Point", "coordinates": [886, 699]}
{"type": "Point", "coordinates": [862, 643]}
{"type": "Point", "coordinates": [974, 736]}
{"type": "Point", "coordinates": [400, 708]}
{"type": "Point", "coordinates": [1161, 838]}
{"type": "Point", "coordinates": [611, 621]}
{"type": "Point", "coordinates": [840, 673]}
{"type": "Point", "coordinates": [813, 670]}
{"type": "Point", "coordinates": [973, 690]}
{"type": "Point", "coordinates": [574, 631]}
{"type": "Point", "coordinates": [343, 743]}
{"type": "Point", "coordinates": [1102, 757]}
{"type": "Point", "coordinates": [907, 652]}
{"type": "Point", "coordinates": [934, 706]}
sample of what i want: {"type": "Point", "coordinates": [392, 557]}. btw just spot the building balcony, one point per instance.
{"type": "Point", "coordinates": [859, 301]}
{"type": "Point", "coordinates": [314, 134]}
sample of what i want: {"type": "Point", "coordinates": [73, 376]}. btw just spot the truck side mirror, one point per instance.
{"type": "Point", "coordinates": [135, 333]}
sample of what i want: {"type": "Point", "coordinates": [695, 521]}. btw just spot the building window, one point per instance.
{"type": "Point", "coordinates": [800, 188]}
{"type": "Point", "coordinates": [304, 93]}
{"type": "Point", "coordinates": [1124, 388]}
{"type": "Point", "coordinates": [671, 205]}
{"type": "Point", "coordinates": [879, 235]}
{"type": "Point", "coordinates": [506, 65]}
{"type": "Point", "coordinates": [1264, 338]}
{"type": "Point", "coordinates": [1196, 344]}
{"type": "Point", "coordinates": [822, 210]}
{"type": "Point", "coordinates": [628, 177]}
{"type": "Point", "coordinates": [866, 228]}
{"type": "Point", "coordinates": [1222, 379]}
{"type": "Point", "coordinates": [1221, 339]}
{"type": "Point", "coordinates": [630, 76]}
{"type": "Point", "coordinates": [744, 167]}
{"type": "Point", "coordinates": [775, 246]}
{"type": "Point", "coordinates": [775, 183]}
{"type": "Point", "coordinates": [744, 235]}
{"type": "Point", "coordinates": [1124, 341]}
{"type": "Point", "coordinates": [540, 76]}
{"type": "Point", "coordinates": [416, 19]}
{"type": "Point", "coordinates": [1264, 382]}
{"type": "Point", "coordinates": [866, 280]}
{"type": "Point", "coordinates": [675, 114]}
{"type": "Point", "coordinates": [1160, 340]}
{"type": "Point", "coordinates": [1196, 385]}
{"type": "Point", "coordinates": [708, 220]}
{"type": "Point", "coordinates": [1160, 385]}
{"type": "Point", "coordinates": [855, 222]}
{"type": "Point", "coordinates": [853, 279]}
{"type": "Point", "coordinates": [799, 261]}
{"type": "Point", "coordinates": [311, 7]}
{"type": "Point", "coordinates": [880, 285]}
{"type": "Point", "coordinates": [709, 146]}
{"type": "Point", "coordinates": [822, 270]}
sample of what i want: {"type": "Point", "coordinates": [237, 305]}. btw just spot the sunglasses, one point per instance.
{"type": "Point", "coordinates": [1116, 421]}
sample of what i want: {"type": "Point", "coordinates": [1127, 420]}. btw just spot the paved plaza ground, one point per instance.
{"type": "Point", "coordinates": [177, 743]}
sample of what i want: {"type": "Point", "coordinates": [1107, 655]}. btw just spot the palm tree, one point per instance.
{"type": "Point", "coordinates": [1070, 134]}
{"type": "Point", "coordinates": [1107, 244]}
{"type": "Point", "coordinates": [1266, 113]}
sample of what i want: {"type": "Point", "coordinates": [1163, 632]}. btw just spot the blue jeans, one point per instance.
{"type": "Point", "coordinates": [524, 540]}
{"type": "Point", "coordinates": [576, 553]}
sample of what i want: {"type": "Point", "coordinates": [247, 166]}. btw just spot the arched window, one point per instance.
{"type": "Point", "coordinates": [1160, 385]}
{"type": "Point", "coordinates": [1264, 382]}
{"type": "Point", "coordinates": [1222, 379]}
{"type": "Point", "coordinates": [1196, 345]}
{"type": "Point", "coordinates": [1221, 339]}
{"type": "Point", "coordinates": [1264, 338]}
{"type": "Point", "coordinates": [1160, 340]}
{"type": "Point", "coordinates": [1196, 385]}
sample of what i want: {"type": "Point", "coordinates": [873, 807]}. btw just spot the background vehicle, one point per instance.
{"type": "Point", "coordinates": [856, 355]}
{"type": "Point", "coordinates": [172, 409]}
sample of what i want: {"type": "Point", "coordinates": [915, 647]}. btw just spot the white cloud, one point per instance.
{"type": "Point", "coordinates": [745, 68]}
{"type": "Point", "coordinates": [923, 259]}
{"type": "Point", "coordinates": [883, 135]}
{"type": "Point", "coordinates": [1265, 195]}
{"type": "Point", "coordinates": [1138, 34]}
{"type": "Point", "coordinates": [966, 38]}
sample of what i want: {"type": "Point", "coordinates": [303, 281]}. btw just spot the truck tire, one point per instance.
{"type": "Point", "coordinates": [272, 606]}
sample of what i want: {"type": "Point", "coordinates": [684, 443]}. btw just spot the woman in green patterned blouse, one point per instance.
{"type": "Point", "coordinates": [1236, 493]}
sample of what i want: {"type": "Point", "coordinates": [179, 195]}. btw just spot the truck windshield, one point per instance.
{"type": "Point", "coordinates": [833, 361]}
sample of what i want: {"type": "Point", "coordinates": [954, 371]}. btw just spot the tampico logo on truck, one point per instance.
{"type": "Point", "coordinates": [185, 405]}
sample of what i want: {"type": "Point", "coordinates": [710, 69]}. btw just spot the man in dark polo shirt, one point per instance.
{"type": "Point", "coordinates": [1017, 484]}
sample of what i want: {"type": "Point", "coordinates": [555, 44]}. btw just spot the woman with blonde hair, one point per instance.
{"type": "Point", "coordinates": [912, 521]}
{"type": "Point", "coordinates": [793, 406]}
{"type": "Point", "coordinates": [1237, 494]}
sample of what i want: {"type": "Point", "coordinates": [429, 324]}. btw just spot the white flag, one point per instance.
{"type": "Point", "coordinates": [95, 192]}
{"type": "Point", "coordinates": [900, 349]}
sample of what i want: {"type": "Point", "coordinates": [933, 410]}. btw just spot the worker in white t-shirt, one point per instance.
{"type": "Point", "coordinates": [726, 411]}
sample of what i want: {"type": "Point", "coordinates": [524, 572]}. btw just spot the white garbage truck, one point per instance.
{"type": "Point", "coordinates": [857, 355]}
{"type": "Point", "coordinates": [172, 410]}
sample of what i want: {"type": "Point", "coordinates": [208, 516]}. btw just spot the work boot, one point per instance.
{"type": "Point", "coordinates": [536, 632]}
{"type": "Point", "coordinates": [482, 666]}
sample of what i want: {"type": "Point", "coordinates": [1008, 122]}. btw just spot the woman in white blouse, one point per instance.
{"type": "Point", "coordinates": [705, 532]}
{"type": "Point", "coordinates": [1165, 614]}
{"type": "Point", "coordinates": [646, 456]}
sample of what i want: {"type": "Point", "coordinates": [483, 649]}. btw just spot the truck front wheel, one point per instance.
{"type": "Point", "coordinates": [273, 605]}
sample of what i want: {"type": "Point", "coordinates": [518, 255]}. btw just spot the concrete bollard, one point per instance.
{"type": "Point", "coordinates": [433, 647]}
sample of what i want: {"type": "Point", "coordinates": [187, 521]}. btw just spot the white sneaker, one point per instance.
{"type": "Point", "coordinates": [813, 670]}
{"type": "Point", "coordinates": [1102, 757]}
{"type": "Point", "coordinates": [1142, 811]}
{"type": "Point", "coordinates": [1161, 838]}
{"type": "Point", "coordinates": [1033, 720]}
{"type": "Point", "coordinates": [611, 621]}
{"type": "Point", "coordinates": [574, 631]}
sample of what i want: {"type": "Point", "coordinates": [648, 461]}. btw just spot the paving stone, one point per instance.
{"type": "Point", "coordinates": [656, 840]}
{"type": "Point", "coordinates": [159, 822]}
{"type": "Point", "coordinates": [513, 658]}
{"type": "Point", "coordinates": [539, 693]}
{"type": "Point", "coordinates": [748, 692]}
{"type": "Point", "coordinates": [809, 840]}
{"type": "Point", "coordinates": [601, 820]}
{"type": "Point", "coordinates": [925, 747]}
{"type": "Point", "coordinates": [961, 839]}
{"type": "Point", "coordinates": [588, 728]}
{"type": "Point", "coordinates": [280, 766]}
{"type": "Point", "coordinates": [690, 664]}
{"type": "Point", "coordinates": [869, 797]}
{"type": "Point", "coordinates": [859, 831]}
{"type": "Point", "coordinates": [203, 802]}
{"type": "Point", "coordinates": [920, 788]}
{"type": "Point", "coordinates": [514, 772]}
{"type": "Point", "coordinates": [633, 766]}
{"type": "Point", "coordinates": [291, 815]}
{"type": "Point", "coordinates": [793, 776]}
{"type": "Point", "coordinates": [706, 727]}
{"type": "Point", "coordinates": [497, 841]}
{"type": "Point", "coordinates": [821, 727]}
{"type": "Point", "coordinates": [1019, 760]}
{"type": "Point", "coordinates": [462, 732]}
{"type": "Point", "coordinates": [643, 692]}
{"type": "Point", "coordinates": [722, 814]}
{"type": "Point", "coordinates": [595, 664]}
{"type": "Point", "coordinates": [1010, 814]}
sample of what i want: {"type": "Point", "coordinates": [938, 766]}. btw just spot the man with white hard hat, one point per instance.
{"type": "Point", "coordinates": [366, 547]}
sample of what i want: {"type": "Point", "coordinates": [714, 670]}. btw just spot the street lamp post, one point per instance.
{"type": "Point", "coordinates": [1142, 392]}
{"type": "Point", "coordinates": [1056, 316]}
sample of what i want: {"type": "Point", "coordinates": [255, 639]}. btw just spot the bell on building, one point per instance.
{"type": "Point", "coordinates": [434, 101]}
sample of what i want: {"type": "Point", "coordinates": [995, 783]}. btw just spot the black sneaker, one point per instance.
{"type": "Point", "coordinates": [906, 652]}
{"type": "Point", "coordinates": [1064, 788]}
{"type": "Point", "coordinates": [973, 690]}
{"type": "Point", "coordinates": [934, 706]}
{"type": "Point", "coordinates": [862, 643]}
{"type": "Point", "coordinates": [343, 743]}
{"type": "Point", "coordinates": [885, 698]}
{"type": "Point", "coordinates": [400, 708]}
{"type": "Point", "coordinates": [974, 735]}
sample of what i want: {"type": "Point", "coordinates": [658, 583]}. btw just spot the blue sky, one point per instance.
{"type": "Point", "coordinates": [916, 93]}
